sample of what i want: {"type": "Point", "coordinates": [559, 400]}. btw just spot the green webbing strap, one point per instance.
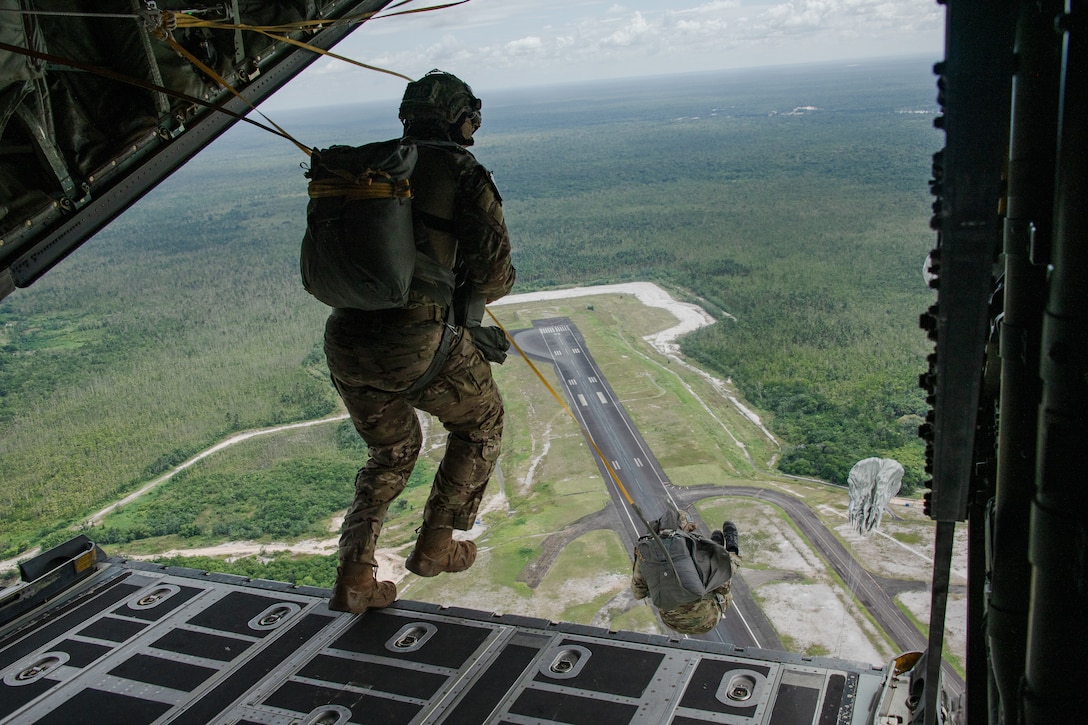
{"type": "Point", "coordinates": [449, 332]}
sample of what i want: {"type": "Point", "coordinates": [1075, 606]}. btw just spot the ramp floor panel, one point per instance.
{"type": "Point", "coordinates": [143, 644]}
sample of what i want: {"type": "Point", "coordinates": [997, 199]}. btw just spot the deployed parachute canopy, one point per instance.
{"type": "Point", "coordinates": [873, 482]}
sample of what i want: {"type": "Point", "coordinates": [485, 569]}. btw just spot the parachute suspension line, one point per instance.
{"type": "Point", "coordinates": [275, 33]}
{"type": "Point", "coordinates": [418, 10]}
{"type": "Point", "coordinates": [162, 23]}
{"type": "Point", "coordinates": [585, 431]}
{"type": "Point", "coordinates": [187, 19]}
{"type": "Point", "coordinates": [589, 437]}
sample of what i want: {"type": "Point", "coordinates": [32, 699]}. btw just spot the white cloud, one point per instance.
{"type": "Point", "coordinates": [636, 30]}
{"type": "Point", "coordinates": [524, 45]}
{"type": "Point", "coordinates": [855, 16]}
{"type": "Point", "coordinates": [501, 43]}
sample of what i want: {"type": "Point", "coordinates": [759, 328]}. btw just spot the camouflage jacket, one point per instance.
{"type": "Point", "coordinates": [457, 215]}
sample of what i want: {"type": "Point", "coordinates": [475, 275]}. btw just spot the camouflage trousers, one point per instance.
{"type": "Point", "coordinates": [371, 365]}
{"type": "Point", "coordinates": [697, 617]}
{"type": "Point", "coordinates": [701, 615]}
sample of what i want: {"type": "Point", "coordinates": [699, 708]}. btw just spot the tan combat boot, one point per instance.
{"type": "Point", "coordinates": [356, 590]}
{"type": "Point", "coordinates": [437, 552]}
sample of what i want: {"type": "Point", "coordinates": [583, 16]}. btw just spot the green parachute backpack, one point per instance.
{"type": "Point", "coordinates": [680, 567]}
{"type": "Point", "coordinates": [359, 248]}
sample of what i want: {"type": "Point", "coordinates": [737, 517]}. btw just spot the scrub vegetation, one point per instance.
{"type": "Point", "coordinates": [792, 204]}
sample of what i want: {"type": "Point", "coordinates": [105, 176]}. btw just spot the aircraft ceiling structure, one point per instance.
{"type": "Point", "coordinates": [97, 107]}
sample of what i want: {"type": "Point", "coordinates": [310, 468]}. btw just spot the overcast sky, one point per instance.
{"type": "Point", "coordinates": [496, 44]}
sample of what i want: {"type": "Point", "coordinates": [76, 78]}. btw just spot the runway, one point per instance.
{"type": "Point", "coordinates": [557, 341]}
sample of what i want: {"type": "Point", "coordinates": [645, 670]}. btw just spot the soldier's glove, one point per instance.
{"type": "Point", "coordinates": [491, 342]}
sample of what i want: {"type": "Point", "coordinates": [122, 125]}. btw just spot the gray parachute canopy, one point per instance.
{"type": "Point", "coordinates": [873, 482]}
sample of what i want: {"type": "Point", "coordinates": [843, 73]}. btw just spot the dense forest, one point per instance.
{"type": "Point", "coordinates": [791, 203]}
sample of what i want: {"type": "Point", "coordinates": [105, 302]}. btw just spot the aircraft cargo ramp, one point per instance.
{"type": "Point", "coordinates": [139, 643]}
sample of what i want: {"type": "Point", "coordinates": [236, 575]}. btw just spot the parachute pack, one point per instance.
{"type": "Point", "coordinates": [359, 249]}
{"type": "Point", "coordinates": [680, 566]}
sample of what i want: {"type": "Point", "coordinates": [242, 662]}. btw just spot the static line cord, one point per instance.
{"type": "Point", "coordinates": [592, 443]}
{"type": "Point", "coordinates": [286, 27]}
{"type": "Point", "coordinates": [168, 21]}
{"type": "Point", "coordinates": [161, 25]}
{"type": "Point", "coordinates": [186, 20]}
{"type": "Point", "coordinates": [139, 83]}
{"type": "Point", "coordinates": [585, 431]}
{"type": "Point", "coordinates": [180, 50]}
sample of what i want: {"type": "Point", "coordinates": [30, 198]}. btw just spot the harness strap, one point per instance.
{"type": "Point", "coordinates": [449, 334]}
{"type": "Point", "coordinates": [435, 222]}
{"type": "Point", "coordinates": [392, 316]}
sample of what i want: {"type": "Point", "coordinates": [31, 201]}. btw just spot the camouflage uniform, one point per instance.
{"type": "Point", "coordinates": [374, 357]}
{"type": "Point", "coordinates": [697, 617]}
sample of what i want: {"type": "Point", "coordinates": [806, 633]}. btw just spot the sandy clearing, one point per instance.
{"type": "Point", "coordinates": [817, 621]}
{"type": "Point", "coordinates": [691, 317]}
{"type": "Point", "coordinates": [810, 609]}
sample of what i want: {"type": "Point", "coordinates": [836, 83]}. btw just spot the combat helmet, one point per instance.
{"type": "Point", "coordinates": [439, 96]}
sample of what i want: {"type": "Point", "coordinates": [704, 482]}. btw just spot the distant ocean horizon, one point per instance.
{"type": "Point", "coordinates": [864, 71]}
